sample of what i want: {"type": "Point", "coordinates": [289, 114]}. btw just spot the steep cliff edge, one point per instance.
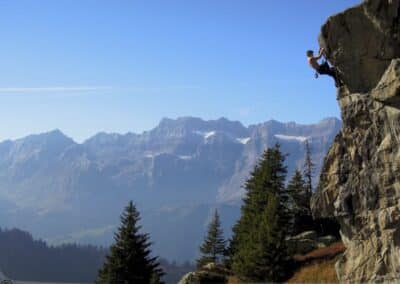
{"type": "Point", "coordinates": [360, 179]}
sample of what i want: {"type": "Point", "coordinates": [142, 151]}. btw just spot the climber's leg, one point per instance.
{"type": "Point", "coordinates": [333, 73]}
{"type": "Point", "coordinates": [325, 69]}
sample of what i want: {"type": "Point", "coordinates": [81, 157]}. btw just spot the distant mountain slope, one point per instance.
{"type": "Point", "coordinates": [175, 173]}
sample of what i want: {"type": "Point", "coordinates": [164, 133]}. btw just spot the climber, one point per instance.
{"type": "Point", "coordinates": [324, 68]}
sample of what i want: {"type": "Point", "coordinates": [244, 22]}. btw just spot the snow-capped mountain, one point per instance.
{"type": "Point", "coordinates": [175, 173]}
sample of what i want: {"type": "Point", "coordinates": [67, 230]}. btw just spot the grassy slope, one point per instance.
{"type": "Point", "coordinates": [318, 266]}
{"type": "Point", "coordinates": [321, 272]}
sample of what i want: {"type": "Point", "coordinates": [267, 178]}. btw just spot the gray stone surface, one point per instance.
{"type": "Point", "coordinates": [308, 241]}
{"type": "Point", "coordinates": [388, 89]}
{"type": "Point", "coordinates": [362, 41]}
{"type": "Point", "coordinates": [360, 179]}
{"type": "Point", "coordinates": [311, 235]}
{"type": "Point", "coordinates": [209, 273]}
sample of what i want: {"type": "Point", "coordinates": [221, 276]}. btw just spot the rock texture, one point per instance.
{"type": "Point", "coordinates": [360, 179]}
{"type": "Point", "coordinates": [308, 241]}
{"type": "Point", "coordinates": [209, 274]}
{"type": "Point", "coordinates": [362, 41]}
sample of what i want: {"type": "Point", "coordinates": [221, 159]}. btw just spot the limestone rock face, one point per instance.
{"type": "Point", "coordinates": [360, 179]}
{"type": "Point", "coordinates": [362, 41]}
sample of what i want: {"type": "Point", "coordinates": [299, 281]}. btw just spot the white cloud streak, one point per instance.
{"type": "Point", "coordinates": [161, 89]}
{"type": "Point", "coordinates": [86, 89]}
{"type": "Point", "coordinates": [94, 90]}
{"type": "Point", "coordinates": [61, 89]}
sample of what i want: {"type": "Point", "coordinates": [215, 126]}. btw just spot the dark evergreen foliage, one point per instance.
{"type": "Point", "coordinates": [300, 209]}
{"type": "Point", "coordinates": [25, 259]}
{"type": "Point", "coordinates": [130, 260]}
{"type": "Point", "coordinates": [308, 167]}
{"type": "Point", "coordinates": [213, 248]}
{"type": "Point", "coordinates": [298, 191]}
{"type": "Point", "coordinates": [258, 248]}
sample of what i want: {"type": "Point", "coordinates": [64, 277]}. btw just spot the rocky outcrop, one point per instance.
{"type": "Point", "coordinates": [208, 274]}
{"type": "Point", "coordinates": [362, 41]}
{"type": "Point", "coordinates": [360, 179]}
{"type": "Point", "coordinates": [308, 241]}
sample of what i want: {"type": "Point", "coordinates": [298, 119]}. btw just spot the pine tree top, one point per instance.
{"type": "Point", "coordinates": [297, 181]}
{"type": "Point", "coordinates": [130, 260]}
{"type": "Point", "coordinates": [213, 248]}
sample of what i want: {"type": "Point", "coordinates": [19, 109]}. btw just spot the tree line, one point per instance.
{"type": "Point", "coordinates": [257, 251]}
{"type": "Point", "coordinates": [23, 258]}
{"type": "Point", "coordinates": [26, 259]}
{"type": "Point", "coordinates": [271, 212]}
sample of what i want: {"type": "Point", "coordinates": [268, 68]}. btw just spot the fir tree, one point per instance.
{"type": "Point", "coordinates": [129, 260]}
{"type": "Point", "coordinates": [258, 245]}
{"type": "Point", "coordinates": [308, 167]}
{"type": "Point", "coordinates": [213, 248]}
{"type": "Point", "coordinates": [298, 191]}
{"type": "Point", "coordinates": [299, 196]}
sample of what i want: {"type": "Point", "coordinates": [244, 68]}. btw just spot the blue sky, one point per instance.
{"type": "Point", "coordinates": [85, 66]}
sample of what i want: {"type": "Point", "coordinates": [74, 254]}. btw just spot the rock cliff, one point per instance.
{"type": "Point", "coordinates": [360, 179]}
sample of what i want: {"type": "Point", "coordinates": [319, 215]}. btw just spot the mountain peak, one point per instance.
{"type": "Point", "coordinates": [189, 124]}
{"type": "Point", "coordinates": [51, 136]}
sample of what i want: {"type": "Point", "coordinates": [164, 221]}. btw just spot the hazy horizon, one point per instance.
{"type": "Point", "coordinates": [154, 126]}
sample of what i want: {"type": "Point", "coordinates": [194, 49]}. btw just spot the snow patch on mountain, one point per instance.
{"type": "Point", "coordinates": [209, 134]}
{"type": "Point", "coordinates": [153, 155]}
{"type": "Point", "coordinates": [206, 135]}
{"type": "Point", "coordinates": [292, 138]}
{"type": "Point", "coordinates": [243, 141]}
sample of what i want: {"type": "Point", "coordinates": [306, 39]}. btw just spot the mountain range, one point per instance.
{"type": "Point", "coordinates": [176, 173]}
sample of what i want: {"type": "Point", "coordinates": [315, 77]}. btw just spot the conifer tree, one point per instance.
{"type": "Point", "coordinates": [299, 196]}
{"type": "Point", "coordinates": [308, 167]}
{"type": "Point", "coordinates": [213, 248]}
{"type": "Point", "coordinates": [298, 191]}
{"type": "Point", "coordinates": [258, 245]}
{"type": "Point", "coordinates": [129, 260]}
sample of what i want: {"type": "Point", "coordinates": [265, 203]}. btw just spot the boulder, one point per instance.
{"type": "Point", "coordinates": [326, 241]}
{"type": "Point", "coordinates": [210, 273]}
{"type": "Point", "coordinates": [301, 246]}
{"type": "Point", "coordinates": [360, 178]}
{"type": "Point", "coordinates": [308, 241]}
{"type": "Point", "coordinates": [310, 235]}
{"type": "Point", "coordinates": [190, 278]}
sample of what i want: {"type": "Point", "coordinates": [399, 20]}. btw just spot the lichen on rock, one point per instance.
{"type": "Point", "coordinates": [360, 179]}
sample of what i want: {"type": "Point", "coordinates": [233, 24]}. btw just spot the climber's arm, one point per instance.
{"type": "Point", "coordinates": [320, 53]}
